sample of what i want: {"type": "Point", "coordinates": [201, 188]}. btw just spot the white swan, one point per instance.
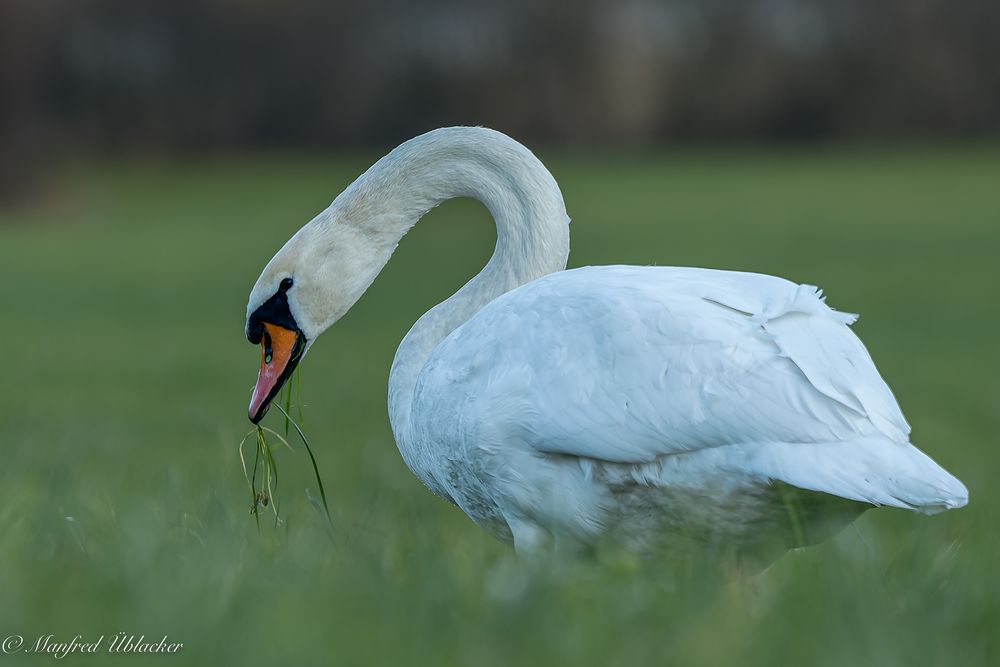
{"type": "Point", "coordinates": [657, 407]}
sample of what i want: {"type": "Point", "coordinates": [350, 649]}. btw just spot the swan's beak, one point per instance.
{"type": "Point", "coordinates": [281, 350]}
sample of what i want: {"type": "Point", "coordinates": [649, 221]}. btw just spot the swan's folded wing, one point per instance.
{"type": "Point", "coordinates": [630, 365]}
{"type": "Point", "coordinates": [627, 364]}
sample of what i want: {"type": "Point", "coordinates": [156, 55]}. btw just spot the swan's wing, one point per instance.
{"type": "Point", "coordinates": [630, 364]}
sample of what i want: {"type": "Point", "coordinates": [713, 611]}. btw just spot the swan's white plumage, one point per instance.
{"type": "Point", "coordinates": [638, 402]}
{"type": "Point", "coordinates": [751, 374]}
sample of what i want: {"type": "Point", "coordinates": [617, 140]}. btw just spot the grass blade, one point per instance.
{"type": "Point", "coordinates": [279, 437]}
{"type": "Point", "coordinates": [251, 479]}
{"type": "Point", "coordinates": [288, 404]}
{"type": "Point", "coordinates": [319, 481]}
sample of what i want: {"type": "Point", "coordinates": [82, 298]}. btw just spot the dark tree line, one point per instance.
{"type": "Point", "coordinates": [191, 75]}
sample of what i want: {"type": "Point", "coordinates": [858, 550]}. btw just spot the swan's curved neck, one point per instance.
{"type": "Point", "coordinates": [519, 192]}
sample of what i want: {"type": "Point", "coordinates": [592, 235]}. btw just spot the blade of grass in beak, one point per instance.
{"type": "Point", "coordinates": [298, 395]}
{"type": "Point", "coordinates": [319, 481]}
{"type": "Point", "coordinates": [252, 478]}
{"type": "Point", "coordinates": [272, 477]}
{"type": "Point", "coordinates": [279, 437]}
{"type": "Point", "coordinates": [264, 496]}
{"type": "Point", "coordinates": [288, 403]}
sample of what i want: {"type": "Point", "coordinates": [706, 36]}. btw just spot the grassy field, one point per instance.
{"type": "Point", "coordinates": [126, 377]}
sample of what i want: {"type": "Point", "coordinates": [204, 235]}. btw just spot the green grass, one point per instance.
{"type": "Point", "coordinates": [126, 378]}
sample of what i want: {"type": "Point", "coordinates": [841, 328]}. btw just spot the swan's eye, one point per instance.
{"type": "Point", "coordinates": [286, 284]}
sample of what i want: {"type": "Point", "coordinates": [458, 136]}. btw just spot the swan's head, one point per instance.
{"type": "Point", "coordinates": [307, 286]}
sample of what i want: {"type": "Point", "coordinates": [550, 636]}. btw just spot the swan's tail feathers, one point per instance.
{"type": "Point", "coordinates": [872, 470]}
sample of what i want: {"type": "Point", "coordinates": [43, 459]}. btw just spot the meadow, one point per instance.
{"type": "Point", "coordinates": [126, 377]}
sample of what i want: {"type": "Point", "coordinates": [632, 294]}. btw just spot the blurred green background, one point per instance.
{"type": "Point", "coordinates": [153, 156]}
{"type": "Point", "coordinates": [126, 377]}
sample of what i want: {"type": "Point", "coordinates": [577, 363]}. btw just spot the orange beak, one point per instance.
{"type": "Point", "coordinates": [281, 350]}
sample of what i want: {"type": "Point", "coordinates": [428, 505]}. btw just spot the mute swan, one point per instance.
{"type": "Point", "coordinates": [655, 407]}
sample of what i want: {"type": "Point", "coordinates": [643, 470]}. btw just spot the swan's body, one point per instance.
{"type": "Point", "coordinates": [652, 406]}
